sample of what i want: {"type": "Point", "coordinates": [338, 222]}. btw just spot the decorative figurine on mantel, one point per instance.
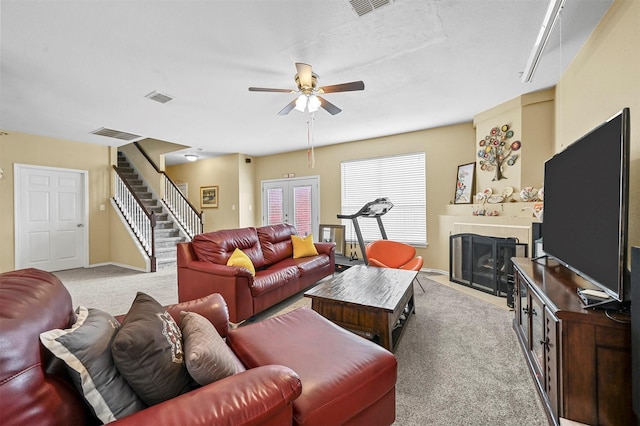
{"type": "Point", "coordinates": [495, 150]}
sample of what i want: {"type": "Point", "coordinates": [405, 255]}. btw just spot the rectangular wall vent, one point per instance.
{"type": "Point", "coordinates": [110, 133]}
{"type": "Point", "coordinates": [365, 6]}
{"type": "Point", "coordinates": [159, 97]}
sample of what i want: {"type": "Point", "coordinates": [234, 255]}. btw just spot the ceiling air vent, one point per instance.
{"type": "Point", "coordinates": [110, 133]}
{"type": "Point", "coordinates": [159, 97]}
{"type": "Point", "coordinates": [365, 6]}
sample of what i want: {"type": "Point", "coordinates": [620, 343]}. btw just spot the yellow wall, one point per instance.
{"type": "Point", "coordinates": [604, 78]}
{"type": "Point", "coordinates": [227, 172]}
{"type": "Point", "coordinates": [530, 116]}
{"type": "Point", "coordinates": [445, 148]}
{"type": "Point", "coordinates": [23, 148]}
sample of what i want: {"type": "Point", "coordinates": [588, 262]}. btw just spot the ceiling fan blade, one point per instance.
{"type": "Point", "coordinates": [266, 89]}
{"type": "Point", "coordinates": [331, 108]}
{"type": "Point", "coordinates": [304, 74]}
{"type": "Point", "coordinates": [344, 87]}
{"type": "Point", "coordinates": [286, 110]}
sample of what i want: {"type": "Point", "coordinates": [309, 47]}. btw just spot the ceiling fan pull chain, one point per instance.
{"type": "Point", "coordinates": [311, 160]}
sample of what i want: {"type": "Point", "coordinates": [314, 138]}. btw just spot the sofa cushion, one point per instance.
{"type": "Point", "coordinates": [308, 264]}
{"type": "Point", "coordinates": [86, 350]}
{"type": "Point", "coordinates": [217, 247]}
{"type": "Point", "coordinates": [148, 352]}
{"type": "Point", "coordinates": [276, 242]}
{"type": "Point", "coordinates": [303, 247]}
{"type": "Point", "coordinates": [239, 258]}
{"type": "Point", "coordinates": [276, 276]}
{"type": "Point", "coordinates": [207, 356]}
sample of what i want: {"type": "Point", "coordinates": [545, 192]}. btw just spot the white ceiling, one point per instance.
{"type": "Point", "coordinates": [70, 67]}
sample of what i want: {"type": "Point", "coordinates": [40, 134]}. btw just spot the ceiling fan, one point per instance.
{"type": "Point", "coordinates": [309, 100]}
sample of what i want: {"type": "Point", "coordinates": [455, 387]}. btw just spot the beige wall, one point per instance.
{"type": "Point", "coordinates": [23, 148]}
{"type": "Point", "coordinates": [530, 116]}
{"type": "Point", "coordinates": [445, 148]}
{"type": "Point", "coordinates": [604, 78]}
{"type": "Point", "coordinates": [229, 173]}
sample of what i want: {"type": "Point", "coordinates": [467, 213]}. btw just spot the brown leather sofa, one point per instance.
{"type": "Point", "coordinates": [202, 268]}
{"type": "Point", "coordinates": [297, 368]}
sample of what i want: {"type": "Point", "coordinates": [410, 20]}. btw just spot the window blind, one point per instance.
{"type": "Point", "coordinates": [401, 179]}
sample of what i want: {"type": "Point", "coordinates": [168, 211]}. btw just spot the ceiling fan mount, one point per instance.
{"type": "Point", "coordinates": [307, 83]}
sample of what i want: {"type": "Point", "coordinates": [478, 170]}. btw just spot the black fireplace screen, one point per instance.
{"type": "Point", "coordinates": [484, 263]}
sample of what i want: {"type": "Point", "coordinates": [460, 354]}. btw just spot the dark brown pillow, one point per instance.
{"type": "Point", "coordinates": [148, 352]}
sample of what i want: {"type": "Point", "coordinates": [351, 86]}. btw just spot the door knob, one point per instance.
{"type": "Point", "coordinates": [80, 225]}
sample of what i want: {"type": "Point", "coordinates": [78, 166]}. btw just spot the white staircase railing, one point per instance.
{"type": "Point", "coordinates": [141, 221]}
{"type": "Point", "coordinates": [184, 212]}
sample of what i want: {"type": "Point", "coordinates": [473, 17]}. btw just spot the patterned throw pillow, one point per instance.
{"type": "Point", "coordinates": [148, 352]}
{"type": "Point", "coordinates": [207, 355]}
{"type": "Point", "coordinates": [303, 247]}
{"type": "Point", "coordinates": [239, 258]}
{"type": "Point", "coordinates": [85, 348]}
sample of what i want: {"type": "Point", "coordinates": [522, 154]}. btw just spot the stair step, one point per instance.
{"type": "Point", "coordinates": [166, 232]}
{"type": "Point", "coordinates": [144, 195]}
{"type": "Point", "coordinates": [126, 169]}
{"type": "Point", "coordinates": [168, 243]}
{"type": "Point", "coordinates": [164, 224]}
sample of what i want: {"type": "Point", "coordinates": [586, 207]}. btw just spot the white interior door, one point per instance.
{"type": "Point", "coordinates": [294, 201]}
{"type": "Point", "coordinates": [50, 218]}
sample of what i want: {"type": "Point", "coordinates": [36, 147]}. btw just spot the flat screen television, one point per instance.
{"type": "Point", "coordinates": [586, 208]}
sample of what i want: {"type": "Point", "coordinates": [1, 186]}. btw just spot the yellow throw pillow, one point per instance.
{"type": "Point", "coordinates": [303, 247]}
{"type": "Point", "coordinates": [239, 258]}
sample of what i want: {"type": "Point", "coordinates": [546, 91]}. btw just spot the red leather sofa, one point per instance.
{"type": "Point", "coordinates": [297, 368]}
{"type": "Point", "coordinates": [203, 270]}
{"type": "Point", "coordinates": [35, 389]}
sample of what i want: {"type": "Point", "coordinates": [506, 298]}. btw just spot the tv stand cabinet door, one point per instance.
{"type": "Point", "coordinates": [597, 372]}
{"type": "Point", "coordinates": [552, 378]}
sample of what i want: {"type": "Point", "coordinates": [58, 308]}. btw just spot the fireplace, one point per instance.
{"type": "Point", "coordinates": [484, 262]}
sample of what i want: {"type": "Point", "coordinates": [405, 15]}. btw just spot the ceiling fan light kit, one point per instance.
{"type": "Point", "coordinates": [308, 91]}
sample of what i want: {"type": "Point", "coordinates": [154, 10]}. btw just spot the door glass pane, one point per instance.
{"type": "Point", "coordinates": [274, 206]}
{"type": "Point", "coordinates": [302, 209]}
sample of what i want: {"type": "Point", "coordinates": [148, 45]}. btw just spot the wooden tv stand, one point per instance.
{"type": "Point", "coordinates": [580, 358]}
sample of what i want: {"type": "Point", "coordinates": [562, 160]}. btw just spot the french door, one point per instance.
{"type": "Point", "coordinates": [295, 201]}
{"type": "Point", "coordinates": [50, 218]}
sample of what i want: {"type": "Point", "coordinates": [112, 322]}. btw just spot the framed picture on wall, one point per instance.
{"type": "Point", "coordinates": [209, 197]}
{"type": "Point", "coordinates": [465, 183]}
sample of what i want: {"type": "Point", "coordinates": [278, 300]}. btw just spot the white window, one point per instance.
{"type": "Point", "coordinates": [401, 179]}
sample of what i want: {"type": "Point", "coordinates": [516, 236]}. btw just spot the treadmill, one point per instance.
{"type": "Point", "coordinates": [373, 209]}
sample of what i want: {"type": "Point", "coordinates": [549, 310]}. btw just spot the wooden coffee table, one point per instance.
{"type": "Point", "coordinates": [373, 302]}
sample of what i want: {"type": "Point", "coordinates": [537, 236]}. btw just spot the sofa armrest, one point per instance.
{"type": "Point", "coordinates": [214, 268]}
{"type": "Point", "coordinates": [326, 248]}
{"type": "Point", "coordinates": [197, 279]}
{"type": "Point", "coordinates": [256, 396]}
